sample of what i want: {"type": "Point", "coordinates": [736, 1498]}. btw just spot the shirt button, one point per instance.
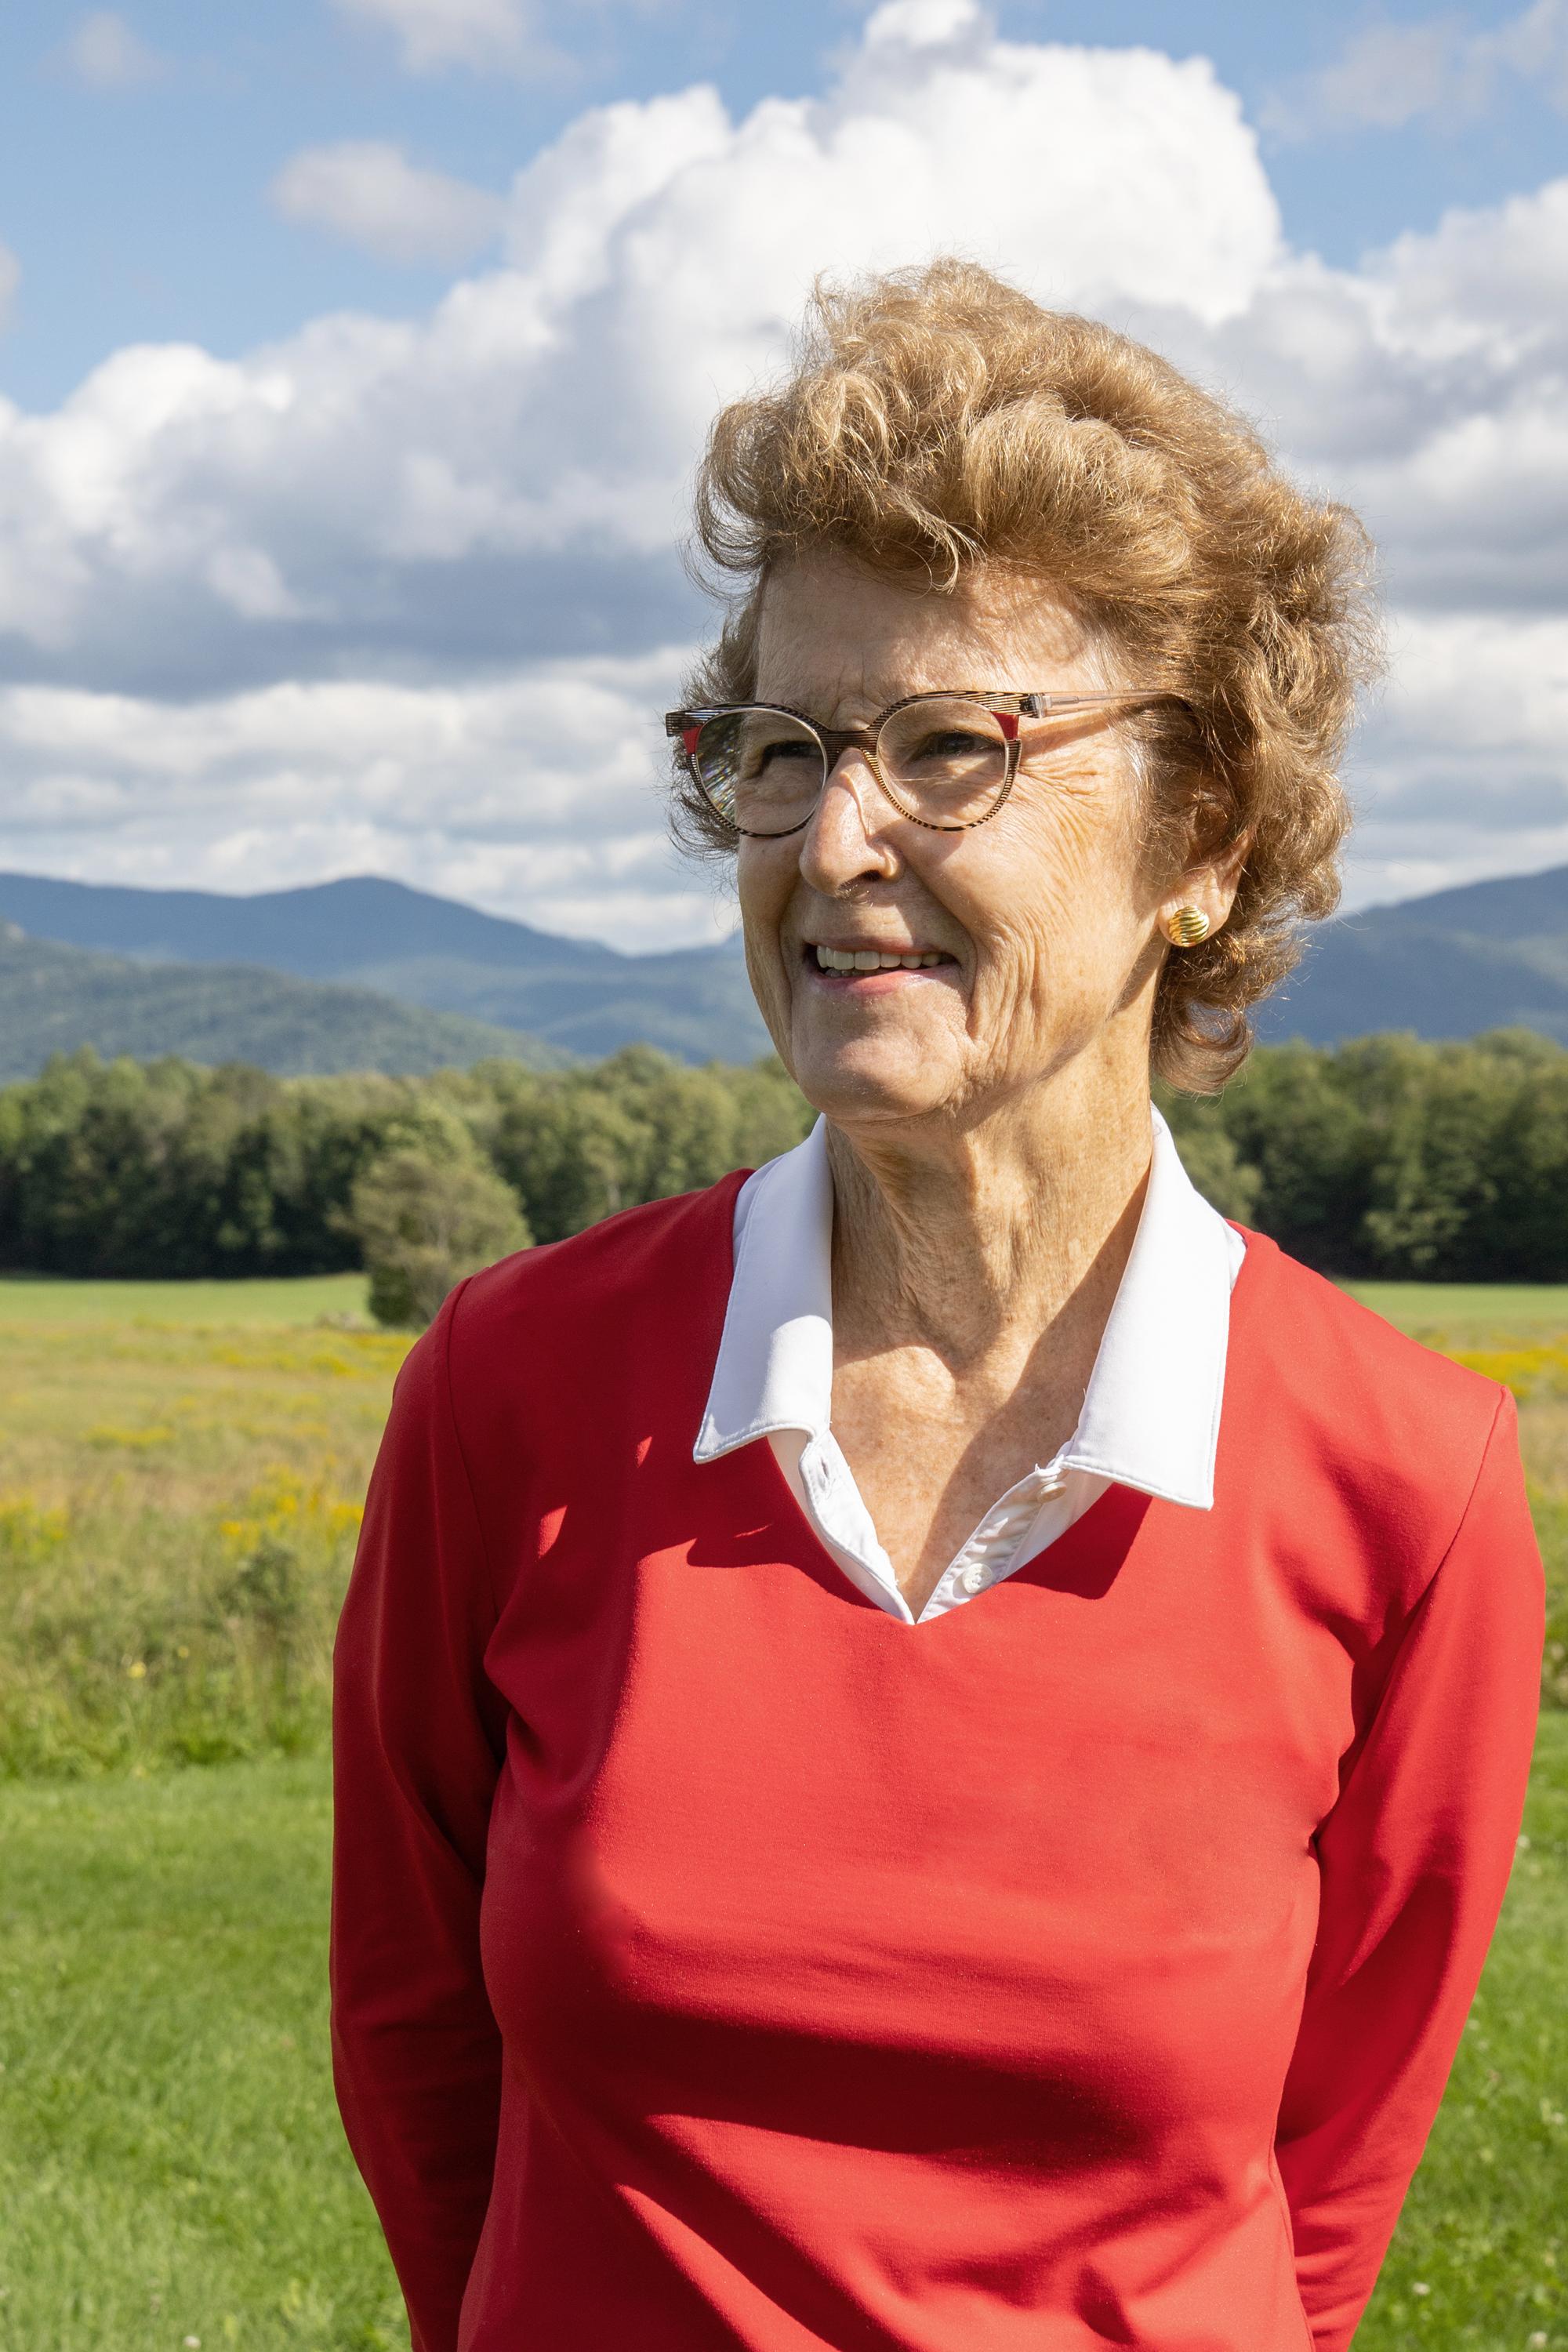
{"type": "Point", "coordinates": [974, 1579]}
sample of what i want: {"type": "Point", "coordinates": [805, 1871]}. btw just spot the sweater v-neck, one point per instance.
{"type": "Point", "coordinates": [1149, 1419]}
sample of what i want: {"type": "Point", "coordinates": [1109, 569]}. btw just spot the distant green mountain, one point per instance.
{"type": "Point", "coordinates": [1488, 955]}
{"type": "Point", "coordinates": [696, 1003]}
{"type": "Point", "coordinates": [54, 998]}
{"type": "Point", "coordinates": [577, 994]}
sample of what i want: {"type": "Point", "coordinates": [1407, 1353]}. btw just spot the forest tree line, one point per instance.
{"type": "Point", "coordinates": [1385, 1157]}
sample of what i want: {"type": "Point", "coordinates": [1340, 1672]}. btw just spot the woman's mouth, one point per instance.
{"type": "Point", "coordinates": [859, 963]}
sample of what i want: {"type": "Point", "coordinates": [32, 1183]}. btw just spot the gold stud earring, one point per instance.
{"type": "Point", "coordinates": [1187, 927]}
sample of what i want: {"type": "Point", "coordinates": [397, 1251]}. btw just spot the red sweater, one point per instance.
{"type": "Point", "coordinates": [720, 1963]}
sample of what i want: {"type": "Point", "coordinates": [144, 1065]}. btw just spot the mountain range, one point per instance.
{"type": "Point", "coordinates": [56, 998]}
{"type": "Point", "coordinates": [575, 995]}
{"type": "Point", "coordinates": [366, 973]}
{"type": "Point", "coordinates": [1488, 955]}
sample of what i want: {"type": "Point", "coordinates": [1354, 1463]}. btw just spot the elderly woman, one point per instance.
{"type": "Point", "coordinates": [930, 1738]}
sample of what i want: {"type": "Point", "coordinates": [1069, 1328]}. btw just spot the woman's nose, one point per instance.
{"type": "Point", "coordinates": [844, 841]}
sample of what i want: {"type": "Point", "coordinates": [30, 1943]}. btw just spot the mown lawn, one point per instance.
{"type": "Point", "coordinates": [179, 1494]}
{"type": "Point", "coordinates": [171, 2163]}
{"type": "Point", "coordinates": [1423, 1307]}
{"type": "Point", "coordinates": [1481, 2257]}
{"type": "Point", "coordinates": [170, 2159]}
{"type": "Point", "coordinates": [307, 1299]}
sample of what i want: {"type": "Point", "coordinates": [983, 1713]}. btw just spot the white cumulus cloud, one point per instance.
{"type": "Point", "coordinates": [537, 794]}
{"type": "Point", "coordinates": [494, 490]}
{"type": "Point", "coordinates": [1463, 764]}
{"type": "Point", "coordinates": [366, 192]}
{"type": "Point", "coordinates": [509, 473]}
{"type": "Point", "coordinates": [104, 53]}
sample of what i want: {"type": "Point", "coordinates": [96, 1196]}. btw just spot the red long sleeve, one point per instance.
{"type": "Point", "coordinates": [1415, 1860]}
{"type": "Point", "coordinates": [1082, 1967]}
{"type": "Point", "coordinates": [418, 1737]}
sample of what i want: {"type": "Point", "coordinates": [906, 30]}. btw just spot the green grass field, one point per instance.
{"type": "Point", "coordinates": [1417, 1307]}
{"type": "Point", "coordinates": [29, 1299]}
{"type": "Point", "coordinates": [1519, 1308]}
{"type": "Point", "coordinates": [171, 2163]}
{"type": "Point", "coordinates": [178, 1509]}
{"type": "Point", "coordinates": [182, 1475]}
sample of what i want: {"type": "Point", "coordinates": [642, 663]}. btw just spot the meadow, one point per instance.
{"type": "Point", "coordinates": [178, 1495]}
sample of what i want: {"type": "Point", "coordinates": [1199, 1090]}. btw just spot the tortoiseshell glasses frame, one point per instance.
{"type": "Point", "coordinates": [946, 759]}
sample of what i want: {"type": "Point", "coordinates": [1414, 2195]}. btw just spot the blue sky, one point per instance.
{"type": "Point", "coordinates": [353, 355]}
{"type": "Point", "coordinates": [139, 209]}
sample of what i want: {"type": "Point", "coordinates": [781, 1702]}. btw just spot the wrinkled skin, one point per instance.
{"type": "Point", "coordinates": [1045, 909]}
{"type": "Point", "coordinates": [989, 1119]}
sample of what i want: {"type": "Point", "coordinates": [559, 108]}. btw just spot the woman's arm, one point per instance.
{"type": "Point", "coordinates": [1414, 1859]}
{"type": "Point", "coordinates": [418, 1735]}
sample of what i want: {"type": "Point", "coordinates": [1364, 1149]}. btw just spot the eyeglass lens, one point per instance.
{"type": "Point", "coordinates": [941, 759]}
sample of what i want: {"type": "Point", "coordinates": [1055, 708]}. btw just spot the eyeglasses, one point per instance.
{"type": "Point", "coordinates": [947, 759]}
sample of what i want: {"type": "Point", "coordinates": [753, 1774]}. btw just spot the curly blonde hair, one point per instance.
{"type": "Point", "coordinates": [937, 419]}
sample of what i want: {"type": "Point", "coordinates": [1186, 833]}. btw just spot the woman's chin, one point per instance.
{"type": "Point", "coordinates": [872, 1078]}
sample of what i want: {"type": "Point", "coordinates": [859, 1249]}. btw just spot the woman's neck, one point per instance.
{"type": "Point", "coordinates": [967, 1237]}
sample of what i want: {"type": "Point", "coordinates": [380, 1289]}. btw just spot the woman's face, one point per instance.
{"type": "Point", "coordinates": [1044, 919]}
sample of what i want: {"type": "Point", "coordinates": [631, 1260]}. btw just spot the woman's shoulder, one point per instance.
{"type": "Point", "coordinates": [1370, 1454]}
{"type": "Point", "coordinates": [1316, 1326]}
{"type": "Point", "coordinates": [587, 1303]}
{"type": "Point", "coordinates": [1364, 1395]}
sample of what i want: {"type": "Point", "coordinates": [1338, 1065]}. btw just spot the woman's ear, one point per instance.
{"type": "Point", "coordinates": [1199, 903]}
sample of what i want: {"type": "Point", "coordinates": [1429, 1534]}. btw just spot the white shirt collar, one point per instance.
{"type": "Point", "coordinates": [1151, 1413]}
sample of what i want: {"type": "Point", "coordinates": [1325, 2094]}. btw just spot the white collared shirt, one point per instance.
{"type": "Point", "coordinates": [1151, 1412]}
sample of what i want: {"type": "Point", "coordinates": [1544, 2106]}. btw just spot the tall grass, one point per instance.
{"type": "Point", "coordinates": [179, 1504]}
{"type": "Point", "coordinates": [1537, 1373]}
{"type": "Point", "coordinates": [177, 1524]}
{"type": "Point", "coordinates": [148, 1638]}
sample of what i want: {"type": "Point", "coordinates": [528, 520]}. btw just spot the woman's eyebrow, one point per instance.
{"type": "Point", "coordinates": [853, 708]}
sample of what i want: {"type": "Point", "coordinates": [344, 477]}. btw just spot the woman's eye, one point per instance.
{"type": "Point", "coordinates": [952, 743]}
{"type": "Point", "coordinates": [789, 748]}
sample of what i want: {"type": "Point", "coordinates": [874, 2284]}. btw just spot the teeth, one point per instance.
{"type": "Point", "coordinates": [871, 960]}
